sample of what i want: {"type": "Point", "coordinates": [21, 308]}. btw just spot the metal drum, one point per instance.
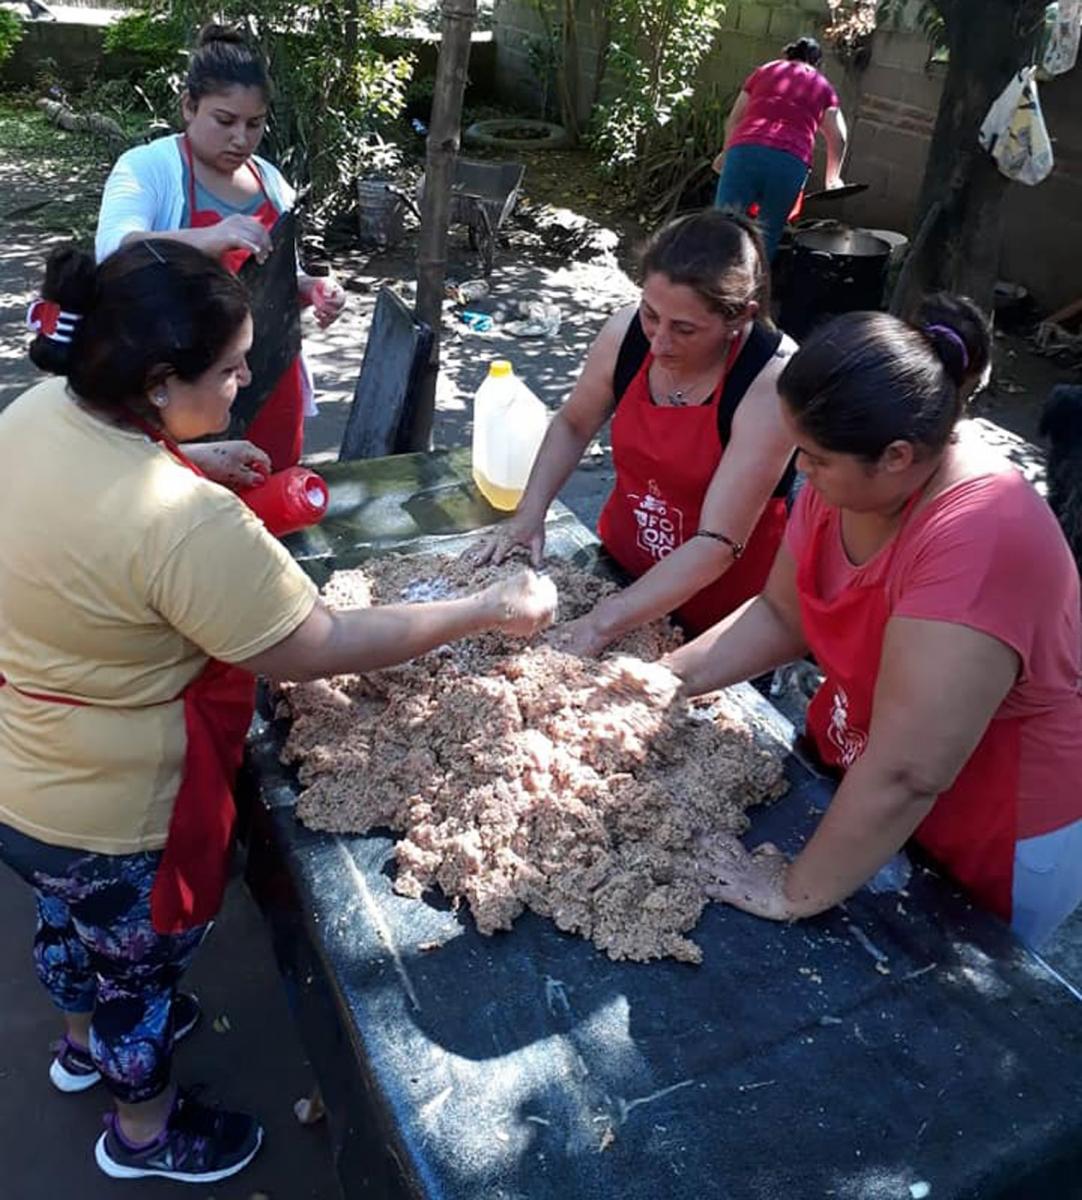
{"type": "Point", "coordinates": [826, 272]}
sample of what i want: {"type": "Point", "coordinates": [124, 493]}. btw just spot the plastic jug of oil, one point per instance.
{"type": "Point", "coordinates": [509, 424]}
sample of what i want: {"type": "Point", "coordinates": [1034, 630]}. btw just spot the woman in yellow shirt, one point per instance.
{"type": "Point", "coordinates": [138, 599]}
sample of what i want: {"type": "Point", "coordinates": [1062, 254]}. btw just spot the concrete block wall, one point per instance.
{"type": "Point", "coordinates": [73, 48]}
{"type": "Point", "coordinates": [517, 26]}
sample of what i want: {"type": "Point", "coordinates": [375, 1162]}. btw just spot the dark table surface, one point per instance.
{"type": "Point", "coordinates": [903, 1046]}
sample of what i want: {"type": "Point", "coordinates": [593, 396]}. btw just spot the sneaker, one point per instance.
{"type": "Point", "coordinates": [199, 1144]}
{"type": "Point", "coordinates": [73, 1069]}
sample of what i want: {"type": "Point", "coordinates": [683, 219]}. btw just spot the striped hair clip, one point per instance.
{"type": "Point", "coordinates": [48, 318]}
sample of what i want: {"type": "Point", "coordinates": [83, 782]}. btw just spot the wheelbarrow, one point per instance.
{"type": "Point", "coordinates": [483, 196]}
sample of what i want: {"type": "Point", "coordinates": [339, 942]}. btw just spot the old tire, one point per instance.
{"type": "Point", "coordinates": [496, 134]}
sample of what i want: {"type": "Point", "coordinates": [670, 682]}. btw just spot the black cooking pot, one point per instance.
{"type": "Point", "coordinates": [824, 272]}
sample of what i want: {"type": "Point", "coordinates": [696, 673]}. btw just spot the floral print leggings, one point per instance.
{"type": "Point", "coordinates": [95, 950]}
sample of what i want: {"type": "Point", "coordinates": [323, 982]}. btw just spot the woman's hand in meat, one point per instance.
{"type": "Point", "coordinates": [582, 637]}
{"type": "Point", "coordinates": [505, 538]}
{"type": "Point", "coordinates": [524, 604]}
{"type": "Point", "coordinates": [750, 880]}
{"type": "Point", "coordinates": [235, 464]}
{"type": "Point", "coordinates": [236, 232]}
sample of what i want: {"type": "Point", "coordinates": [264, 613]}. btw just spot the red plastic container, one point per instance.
{"type": "Point", "coordinates": [288, 500]}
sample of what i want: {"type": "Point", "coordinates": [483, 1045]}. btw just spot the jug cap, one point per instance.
{"type": "Point", "coordinates": [499, 368]}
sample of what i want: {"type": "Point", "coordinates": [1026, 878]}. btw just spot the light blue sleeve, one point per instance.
{"type": "Point", "coordinates": [141, 195]}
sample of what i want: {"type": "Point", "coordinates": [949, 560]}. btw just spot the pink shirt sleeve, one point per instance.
{"type": "Point", "coordinates": [988, 556]}
{"type": "Point", "coordinates": [752, 81]}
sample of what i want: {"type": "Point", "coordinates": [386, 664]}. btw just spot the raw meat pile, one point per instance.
{"type": "Point", "coordinates": [521, 777]}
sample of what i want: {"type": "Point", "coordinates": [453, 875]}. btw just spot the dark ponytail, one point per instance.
{"type": "Point", "coordinates": [865, 380]}
{"type": "Point", "coordinates": [69, 282]}
{"type": "Point", "coordinates": [153, 309]}
{"type": "Point", "coordinates": [805, 50]}
{"type": "Point", "coordinates": [224, 58]}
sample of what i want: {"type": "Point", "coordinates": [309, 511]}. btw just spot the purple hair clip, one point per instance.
{"type": "Point", "coordinates": [952, 335]}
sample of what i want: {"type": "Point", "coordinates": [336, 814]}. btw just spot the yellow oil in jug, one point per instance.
{"type": "Point", "coordinates": [503, 498]}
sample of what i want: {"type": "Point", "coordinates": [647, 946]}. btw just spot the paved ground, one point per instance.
{"type": "Point", "coordinates": [255, 1064]}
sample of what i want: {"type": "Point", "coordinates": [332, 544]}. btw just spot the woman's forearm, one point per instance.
{"type": "Point", "coordinates": [754, 639]}
{"type": "Point", "coordinates": [872, 816]}
{"type": "Point", "coordinates": [664, 588]}
{"type": "Point", "coordinates": [359, 640]}
{"type": "Point", "coordinates": [560, 453]}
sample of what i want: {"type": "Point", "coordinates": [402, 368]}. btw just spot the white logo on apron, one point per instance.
{"type": "Point", "coordinates": [660, 524]}
{"type": "Point", "coordinates": [849, 743]}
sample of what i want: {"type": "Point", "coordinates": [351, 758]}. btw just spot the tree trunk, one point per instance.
{"type": "Point", "coordinates": [456, 26]}
{"type": "Point", "coordinates": [959, 222]}
{"type": "Point", "coordinates": [569, 98]}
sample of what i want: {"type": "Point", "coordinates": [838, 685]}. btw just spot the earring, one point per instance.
{"type": "Point", "coordinates": [160, 398]}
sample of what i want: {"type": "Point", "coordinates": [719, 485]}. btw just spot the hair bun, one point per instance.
{"type": "Point", "coordinates": [212, 33]}
{"type": "Point", "coordinates": [806, 50]}
{"type": "Point", "coordinates": [960, 334]}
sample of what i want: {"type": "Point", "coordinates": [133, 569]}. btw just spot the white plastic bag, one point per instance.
{"type": "Point", "coordinates": [1014, 132]}
{"type": "Point", "coordinates": [1061, 52]}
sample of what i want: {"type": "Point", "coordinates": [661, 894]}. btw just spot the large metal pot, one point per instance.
{"type": "Point", "coordinates": [826, 272]}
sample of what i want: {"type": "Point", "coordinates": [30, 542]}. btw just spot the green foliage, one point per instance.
{"type": "Point", "coordinates": [677, 167]}
{"type": "Point", "coordinates": [337, 89]}
{"type": "Point", "coordinates": [11, 32]}
{"type": "Point", "coordinates": [149, 40]}
{"type": "Point", "coordinates": [655, 52]}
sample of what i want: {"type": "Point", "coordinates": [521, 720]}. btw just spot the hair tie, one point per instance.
{"type": "Point", "coordinates": [952, 335]}
{"type": "Point", "coordinates": [48, 318]}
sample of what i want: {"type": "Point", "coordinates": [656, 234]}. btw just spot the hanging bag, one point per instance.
{"type": "Point", "coordinates": [1014, 131]}
{"type": "Point", "coordinates": [1061, 50]}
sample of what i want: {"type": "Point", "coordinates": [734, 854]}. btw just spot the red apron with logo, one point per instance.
{"type": "Point", "coordinates": [665, 458]}
{"type": "Point", "coordinates": [972, 828]}
{"type": "Point", "coordinates": [278, 427]}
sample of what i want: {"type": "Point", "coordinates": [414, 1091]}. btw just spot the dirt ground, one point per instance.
{"type": "Point", "coordinates": [565, 207]}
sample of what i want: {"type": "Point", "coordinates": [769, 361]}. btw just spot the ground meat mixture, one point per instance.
{"type": "Point", "coordinates": [522, 777]}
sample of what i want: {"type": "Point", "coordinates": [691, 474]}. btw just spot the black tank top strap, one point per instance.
{"type": "Point", "coordinates": [632, 354]}
{"type": "Point", "coordinates": [758, 350]}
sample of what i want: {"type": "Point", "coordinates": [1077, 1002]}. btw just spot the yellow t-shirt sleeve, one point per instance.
{"type": "Point", "coordinates": [229, 587]}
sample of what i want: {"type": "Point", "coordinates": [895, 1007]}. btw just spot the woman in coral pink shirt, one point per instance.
{"type": "Point", "coordinates": [770, 137]}
{"type": "Point", "coordinates": [940, 599]}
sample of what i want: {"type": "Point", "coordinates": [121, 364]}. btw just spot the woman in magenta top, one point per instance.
{"type": "Point", "coordinates": [941, 601]}
{"type": "Point", "coordinates": [770, 137]}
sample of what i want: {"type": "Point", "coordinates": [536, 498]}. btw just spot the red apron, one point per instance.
{"type": "Point", "coordinates": [218, 708]}
{"type": "Point", "coordinates": [278, 427]}
{"type": "Point", "coordinates": [665, 458]}
{"type": "Point", "coordinates": [972, 828]}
